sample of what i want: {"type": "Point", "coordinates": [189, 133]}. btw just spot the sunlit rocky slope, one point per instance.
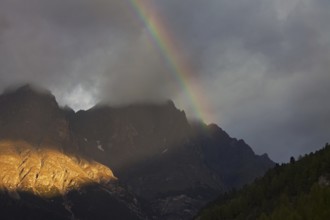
{"type": "Point", "coordinates": [46, 172]}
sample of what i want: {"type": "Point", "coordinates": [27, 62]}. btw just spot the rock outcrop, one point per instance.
{"type": "Point", "coordinates": [46, 172]}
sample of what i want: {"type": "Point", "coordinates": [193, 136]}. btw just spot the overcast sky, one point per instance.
{"type": "Point", "coordinates": [263, 65]}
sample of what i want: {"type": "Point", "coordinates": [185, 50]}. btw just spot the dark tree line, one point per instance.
{"type": "Point", "coordinates": [299, 190]}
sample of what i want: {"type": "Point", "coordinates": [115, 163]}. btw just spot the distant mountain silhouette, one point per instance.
{"type": "Point", "coordinates": [172, 166]}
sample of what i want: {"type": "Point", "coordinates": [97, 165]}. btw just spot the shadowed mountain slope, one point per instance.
{"type": "Point", "coordinates": [33, 115]}
{"type": "Point", "coordinates": [163, 158]}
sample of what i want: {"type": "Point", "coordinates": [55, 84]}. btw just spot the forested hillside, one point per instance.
{"type": "Point", "coordinates": [295, 191]}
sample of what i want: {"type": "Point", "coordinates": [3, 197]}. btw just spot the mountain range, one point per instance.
{"type": "Point", "coordinates": [140, 161]}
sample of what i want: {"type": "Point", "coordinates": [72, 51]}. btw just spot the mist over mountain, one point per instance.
{"type": "Point", "coordinates": [167, 167]}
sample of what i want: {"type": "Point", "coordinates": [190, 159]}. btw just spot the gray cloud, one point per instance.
{"type": "Point", "coordinates": [80, 48]}
{"type": "Point", "coordinates": [270, 70]}
{"type": "Point", "coordinates": [263, 65]}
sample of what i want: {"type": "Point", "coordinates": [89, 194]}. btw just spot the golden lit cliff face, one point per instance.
{"type": "Point", "coordinates": [46, 172]}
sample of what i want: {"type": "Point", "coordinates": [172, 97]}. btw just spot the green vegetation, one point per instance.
{"type": "Point", "coordinates": [299, 190]}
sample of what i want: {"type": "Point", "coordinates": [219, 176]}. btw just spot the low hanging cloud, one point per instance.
{"type": "Point", "coordinates": [78, 48]}
{"type": "Point", "coordinates": [262, 64]}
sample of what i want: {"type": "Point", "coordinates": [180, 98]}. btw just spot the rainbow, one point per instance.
{"type": "Point", "coordinates": [165, 43]}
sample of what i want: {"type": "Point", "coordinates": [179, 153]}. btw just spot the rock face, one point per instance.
{"type": "Point", "coordinates": [233, 160]}
{"type": "Point", "coordinates": [46, 172]}
{"type": "Point", "coordinates": [165, 159]}
{"type": "Point", "coordinates": [174, 166]}
{"type": "Point", "coordinates": [35, 117]}
{"type": "Point", "coordinates": [148, 146]}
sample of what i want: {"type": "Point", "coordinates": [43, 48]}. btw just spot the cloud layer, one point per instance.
{"type": "Point", "coordinates": [262, 64]}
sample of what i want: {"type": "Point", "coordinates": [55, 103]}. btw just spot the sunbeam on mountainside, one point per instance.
{"type": "Point", "coordinates": [46, 172]}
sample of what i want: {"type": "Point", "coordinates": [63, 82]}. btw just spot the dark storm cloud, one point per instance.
{"type": "Point", "coordinates": [82, 50]}
{"type": "Point", "coordinates": [269, 68]}
{"type": "Point", "coordinates": [265, 68]}
{"type": "Point", "coordinates": [262, 64]}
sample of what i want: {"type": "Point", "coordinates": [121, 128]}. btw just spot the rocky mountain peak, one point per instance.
{"type": "Point", "coordinates": [152, 148]}
{"type": "Point", "coordinates": [32, 114]}
{"type": "Point", "coordinates": [29, 93]}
